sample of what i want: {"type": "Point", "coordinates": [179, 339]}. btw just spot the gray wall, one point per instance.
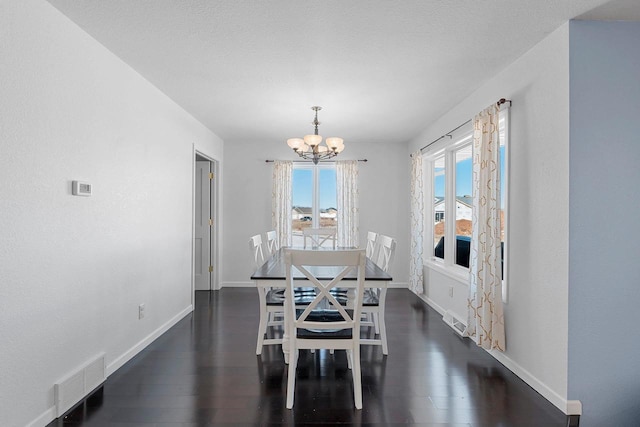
{"type": "Point", "coordinates": [604, 237]}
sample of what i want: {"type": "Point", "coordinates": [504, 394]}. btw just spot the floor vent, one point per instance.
{"type": "Point", "coordinates": [76, 386]}
{"type": "Point", "coordinates": [454, 321]}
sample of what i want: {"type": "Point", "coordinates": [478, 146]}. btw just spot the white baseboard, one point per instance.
{"type": "Point", "coordinates": [50, 414]}
{"type": "Point", "coordinates": [574, 407]}
{"type": "Point", "coordinates": [569, 407]}
{"type": "Point", "coordinates": [398, 285]}
{"type": "Point", "coordinates": [45, 418]}
{"type": "Point", "coordinates": [237, 284]}
{"type": "Point", "coordinates": [120, 361]}
{"type": "Point", "coordinates": [432, 304]}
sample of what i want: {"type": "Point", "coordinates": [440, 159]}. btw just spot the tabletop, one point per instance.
{"type": "Point", "coordinates": [275, 269]}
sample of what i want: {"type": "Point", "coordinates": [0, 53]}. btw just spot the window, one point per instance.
{"type": "Point", "coordinates": [438, 200]}
{"type": "Point", "coordinates": [313, 199]}
{"type": "Point", "coordinates": [449, 199]}
{"type": "Point", "coordinates": [451, 189]}
{"type": "Point", "coordinates": [504, 195]}
{"type": "Point", "coordinates": [464, 203]}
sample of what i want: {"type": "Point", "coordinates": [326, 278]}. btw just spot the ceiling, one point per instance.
{"type": "Point", "coordinates": [381, 70]}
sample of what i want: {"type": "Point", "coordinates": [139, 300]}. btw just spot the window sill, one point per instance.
{"type": "Point", "coordinates": [455, 272]}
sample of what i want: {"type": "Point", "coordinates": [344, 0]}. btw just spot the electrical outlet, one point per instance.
{"type": "Point", "coordinates": [141, 311]}
{"type": "Point", "coordinates": [451, 291]}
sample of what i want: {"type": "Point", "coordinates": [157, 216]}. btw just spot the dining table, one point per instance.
{"type": "Point", "coordinates": [272, 274]}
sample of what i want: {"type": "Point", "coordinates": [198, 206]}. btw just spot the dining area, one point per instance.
{"type": "Point", "coordinates": [204, 371]}
{"type": "Point", "coordinates": [320, 297]}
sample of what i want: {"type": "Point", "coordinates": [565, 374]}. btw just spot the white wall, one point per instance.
{"type": "Point", "coordinates": [73, 269]}
{"type": "Point", "coordinates": [445, 293]}
{"type": "Point", "coordinates": [536, 312]}
{"type": "Point", "coordinates": [604, 349]}
{"type": "Point", "coordinates": [384, 200]}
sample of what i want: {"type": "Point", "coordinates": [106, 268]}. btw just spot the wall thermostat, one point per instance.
{"type": "Point", "coordinates": [79, 188]}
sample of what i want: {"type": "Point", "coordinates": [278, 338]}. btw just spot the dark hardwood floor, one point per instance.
{"type": "Point", "coordinates": [203, 372]}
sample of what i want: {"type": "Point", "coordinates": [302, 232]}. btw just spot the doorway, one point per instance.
{"type": "Point", "coordinates": [205, 253]}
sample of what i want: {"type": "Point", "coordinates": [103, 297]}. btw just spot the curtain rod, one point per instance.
{"type": "Point", "coordinates": [448, 134]}
{"type": "Point", "coordinates": [303, 161]}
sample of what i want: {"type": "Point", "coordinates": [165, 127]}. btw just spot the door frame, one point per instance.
{"type": "Point", "coordinates": [215, 214]}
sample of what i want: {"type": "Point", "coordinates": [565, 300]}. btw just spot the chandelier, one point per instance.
{"type": "Point", "coordinates": [310, 147]}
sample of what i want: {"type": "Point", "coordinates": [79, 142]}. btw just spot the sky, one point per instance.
{"type": "Point", "coordinates": [302, 187]}
{"type": "Point", "coordinates": [464, 178]}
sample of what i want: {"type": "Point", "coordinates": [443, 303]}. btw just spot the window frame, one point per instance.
{"type": "Point", "coordinates": [448, 148]}
{"type": "Point", "coordinates": [448, 151]}
{"type": "Point", "coordinates": [315, 197]}
{"type": "Point", "coordinates": [505, 114]}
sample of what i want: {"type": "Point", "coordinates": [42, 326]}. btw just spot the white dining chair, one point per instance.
{"type": "Point", "coordinates": [318, 236]}
{"type": "Point", "coordinates": [326, 323]}
{"type": "Point", "coordinates": [255, 248]}
{"type": "Point", "coordinates": [272, 245]}
{"type": "Point", "coordinates": [372, 245]}
{"type": "Point", "coordinates": [271, 303]}
{"type": "Point", "coordinates": [386, 252]}
{"type": "Point", "coordinates": [272, 242]}
{"type": "Point", "coordinates": [372, 254]}
{"type": "Point", "coordinates": [373, 306]}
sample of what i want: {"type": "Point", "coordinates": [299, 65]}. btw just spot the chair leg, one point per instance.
{"type": "Point", "coordinates": [383, 332]}
{"type": "Point", "coordinates": [376, 322]}
{"type": "Point", "coordinates": [349, 359]}
{"type": "Point", "coordinates": [262, 327]}
{"type": "Point", "coordinates": [291, 377]}
{"type": "Point", "coordinates": [357, 377]}
{"type": "Point", "coordinates": [383, 327]}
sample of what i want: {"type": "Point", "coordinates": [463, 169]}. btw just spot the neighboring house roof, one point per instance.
{"type": "Point", "coordinates": [465, 200]}
{"type": "Point", "coordinates": [302, 210]}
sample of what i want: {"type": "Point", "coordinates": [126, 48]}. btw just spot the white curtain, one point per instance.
{"type": "Point", "coordinates": [281, 201]}
{"type": "Point", "coordinates": [417, 224]}
{"type": "Point", "coordinates": [347, 195]}
{"type": "Point", "coordinates": [485, 319]}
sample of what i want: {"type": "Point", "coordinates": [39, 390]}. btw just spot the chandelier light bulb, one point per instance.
{"type": "Point", "coordinates": [295, 143]}
{"type": "Point", "coordinates": [312, 140]}
{"type": "Point", "coordinates": [334, 142]}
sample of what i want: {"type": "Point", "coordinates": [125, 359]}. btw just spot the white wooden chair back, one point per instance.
{"type": "Point", "coordinates": [314, 327]}
{"type": "Point", "coordinates": [372, 245]}
{"type": "Point", "coordinates": [387, 249]}
{"type": "Point", "coordinates": [255, 247]}
{"type": "Point", "coordinates": [272, 242]}
{"type": "Point", "coordinates": [319, 236]}
{"type": "Point", "coordinates": [342, 263]}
